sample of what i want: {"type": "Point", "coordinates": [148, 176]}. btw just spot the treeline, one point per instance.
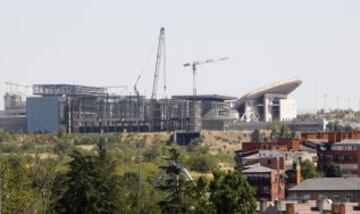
{"type": "Point", "coordinates": [120, 176]}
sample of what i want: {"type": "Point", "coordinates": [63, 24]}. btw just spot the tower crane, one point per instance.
{"type": "Point", "coordinates": [194, 64]}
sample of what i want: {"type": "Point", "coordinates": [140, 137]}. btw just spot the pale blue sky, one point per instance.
{"type": "Point", "coordinates": [106, 43]}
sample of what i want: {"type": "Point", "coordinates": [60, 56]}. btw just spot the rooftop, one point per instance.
{"type": "Point", "coordinates": [328, 184]}
{"type": "Point", "coordinates": [209, 97]}
{"type": "Point", "coordinates": [257, 169]}
{"type": "Point", "coordinates": [348, 142]}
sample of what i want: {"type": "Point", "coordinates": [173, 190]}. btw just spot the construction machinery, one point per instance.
{"type": "Point", "coordinates": [160, 56]}
{"type": "Point", "coordinates": [194, 64]}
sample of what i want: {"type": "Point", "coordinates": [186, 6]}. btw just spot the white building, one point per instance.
{"type": "Point", "coordinates": [269, 103]}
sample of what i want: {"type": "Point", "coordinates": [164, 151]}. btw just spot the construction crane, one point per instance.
{"type": "Point", "coordinates": [160, 55]}
{"type": "Point", "coordinates": [194, 64]}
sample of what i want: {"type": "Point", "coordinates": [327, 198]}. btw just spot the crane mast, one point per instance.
{"type": "Point", "coordinates": [160, 55]}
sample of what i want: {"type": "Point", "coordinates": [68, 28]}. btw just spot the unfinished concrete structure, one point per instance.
{"type": "Point", "coordinates": [88, 109]}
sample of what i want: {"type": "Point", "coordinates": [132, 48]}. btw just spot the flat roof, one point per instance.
{"type": "Point", "coordinates": [210, 97]}
{"type": "Point", "coordinates": [328, 184]}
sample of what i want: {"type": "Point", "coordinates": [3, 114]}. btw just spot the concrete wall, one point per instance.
{"type": "Point", "coordinates": [43, 114]}
{"type": "Point", "coordinates": [13, 123]}
{"type": "Point", "coordinates": [288, 109]}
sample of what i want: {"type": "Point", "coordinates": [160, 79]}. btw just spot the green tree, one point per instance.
{"type": "Point", "coordinates": [231, 193]}
{"type": "Point", "coordinates": [42, 173]}
{"type": "Point", "coordinates": [90, 185]}
{"type": "Point", "coordinates": [174, 185]}
{"type": "Point", "coordinates": [332, 170]}
{"type": "Point", "coordinates": [256, 136]}
{"type": "Point", "coordinates": [202, 162]}
{"type": "Point", "coordinates": [16, 192]}
{"type": "Point", "coordinates": [200, 196]}
{"type": "Point", "coordinates": [308, 170]}
{"type": "Point", "coordinates": [281, 131]}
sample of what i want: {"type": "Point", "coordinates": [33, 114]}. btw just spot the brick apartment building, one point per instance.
{"type": "Point", "coordinates": [330, 137]}
{"type": "Point", "coordinates": [336, 189]}
{"type": "Point", "coordinates": [341, 148]}
{"type": "Point", "coordinates": [283, 144]}
{"type": "Point", "coordinates": [265, 182]}
{"type": "Point", "coordinates": [271, 177]}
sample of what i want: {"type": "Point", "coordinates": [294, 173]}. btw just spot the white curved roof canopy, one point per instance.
{"type": "Point", "coordinates": [283, 87]}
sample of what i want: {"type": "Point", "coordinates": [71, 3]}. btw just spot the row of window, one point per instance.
{"type": "Point", "coordinates": [346, 148]}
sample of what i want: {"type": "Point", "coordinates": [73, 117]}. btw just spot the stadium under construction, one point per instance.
{"type": "Point", "coordinates": [45, 108]}
{"type": "Point", "coordinates": [86, 109]}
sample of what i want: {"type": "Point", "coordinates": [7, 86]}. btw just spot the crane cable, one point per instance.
{"type": "Point", "coordinates": [144, 66]}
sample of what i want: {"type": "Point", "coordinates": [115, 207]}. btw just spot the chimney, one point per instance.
{"type": "Point", "coordinates": [338, 209]}
{"type": "Point", "coordinates": [290, 208]}
{"type": "Point", "coordinates": [320, 204]}
{"type": "Point", "coordinates": [358, 163]}
{"type": "Point", "coordinates": [332, 137]}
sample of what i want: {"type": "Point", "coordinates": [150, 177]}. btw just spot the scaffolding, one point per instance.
{"type": "Point", "coordinates": [84, 109]}
{"type": "Point", "coordinates": [69, 90]}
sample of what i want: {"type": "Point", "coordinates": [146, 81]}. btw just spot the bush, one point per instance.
{"type": "Point", "coordinates": [5, 136]}
{"type": "Point", "coordinates": [86, 140]}
{"type": "Point", "coordinates": [28, 147]}
{"type": "Point", "coordinates": [194, 144]}
{"type": "Point", "coordinates": [9, 147]}
{"type": "Point", "coordinates": [63, 147]}
{"type": "Point", "coordinates": [151, 153]}
{"type": "Point", "coordinates": [62, 131]}
{"type": "Point", "coordinates": [202, 163]}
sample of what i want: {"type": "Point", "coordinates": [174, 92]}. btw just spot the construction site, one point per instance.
{"type": "Point", "coordinates": [47, 108]}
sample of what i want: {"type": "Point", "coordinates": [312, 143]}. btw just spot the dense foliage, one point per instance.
{"type": "Point", "coordinates": [71, 174]}
{"type": "Point", "coordinates": [308, 170]}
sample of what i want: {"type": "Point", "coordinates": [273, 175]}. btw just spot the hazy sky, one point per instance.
{"type": "Point", "coordinates": [107, 42]}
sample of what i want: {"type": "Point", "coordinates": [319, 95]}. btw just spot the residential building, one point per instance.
{"type": "Point", "coordinates": [346, 189]}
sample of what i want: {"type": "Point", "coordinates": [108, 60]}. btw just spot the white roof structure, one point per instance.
{"type": "Point", "coordinates": [282, 87]}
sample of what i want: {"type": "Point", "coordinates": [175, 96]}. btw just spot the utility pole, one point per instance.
{"type": "Point", "coordinates": [349, 100]}
{"type": "Point", "coordinates": [325, 102]}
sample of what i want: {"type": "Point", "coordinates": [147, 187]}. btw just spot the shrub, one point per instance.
{"type": "Point", "coordinates": [151, 153]}
{"type": "Point", "coordinates": [63, 147]}
{"type": "Point", "coordinates": [202, 163]}
{"type": "Point", "coordinates": [5, 136]}
{"type": "Point", "coordinates": [28, 146]}
{"type": "Point", "coordinates": [9, 147]}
